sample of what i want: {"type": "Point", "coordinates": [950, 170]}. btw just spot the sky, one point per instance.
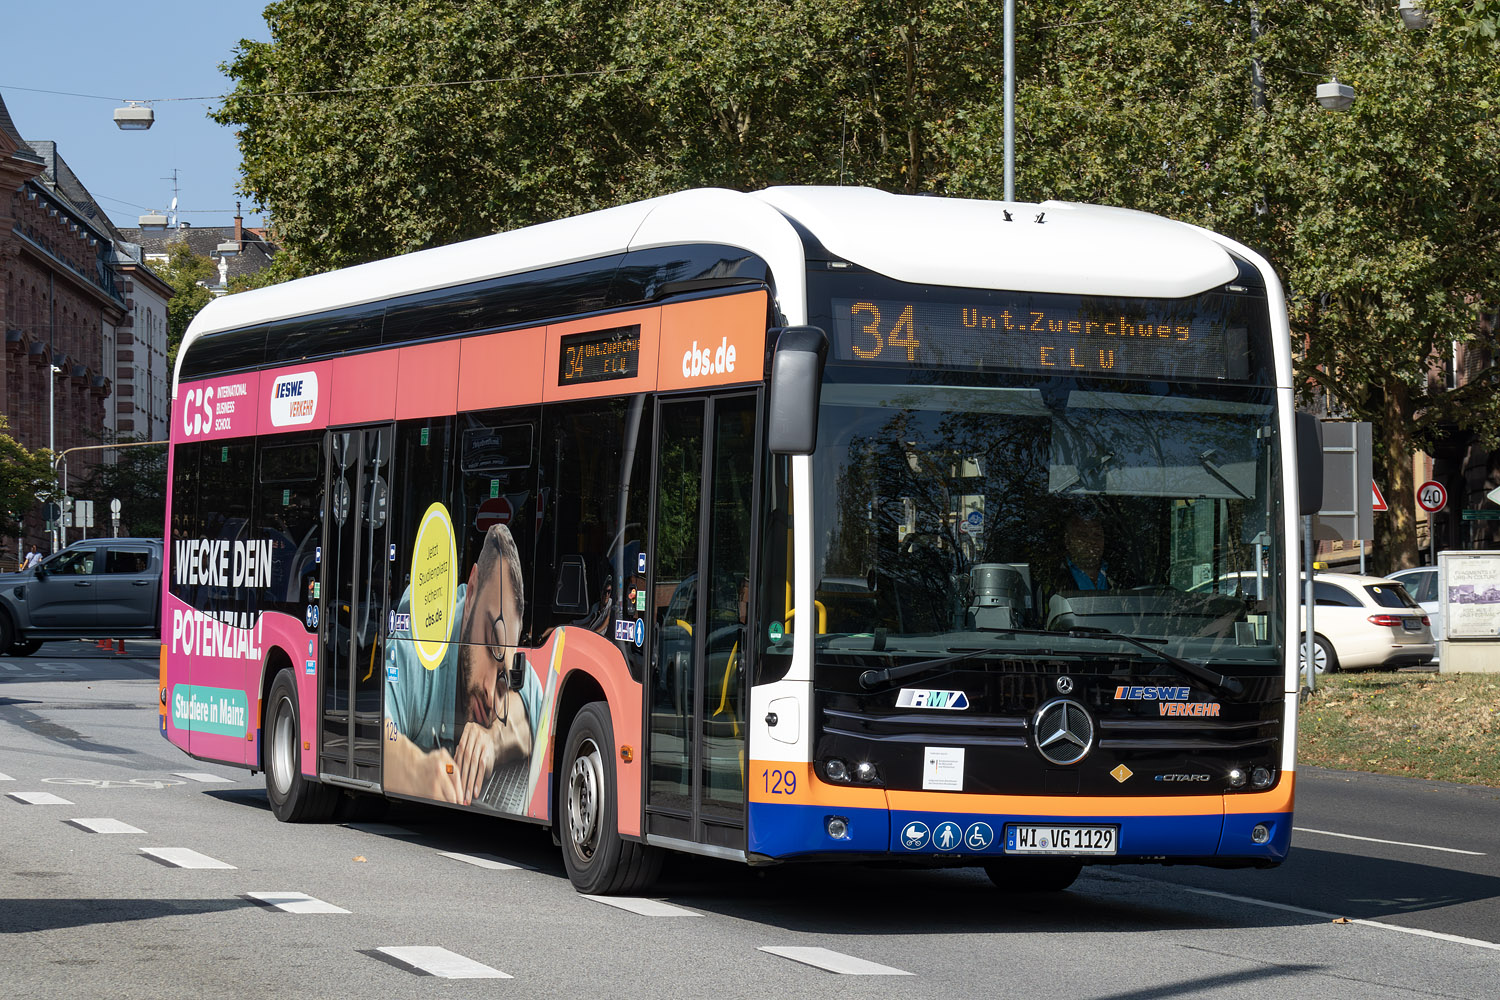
{"type": "Point", "coordinates": [152, 50]}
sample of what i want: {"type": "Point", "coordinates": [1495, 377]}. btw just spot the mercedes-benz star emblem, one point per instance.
{"type": "Point", "coordinates": [1064, 684]}
{"type": "Point", "coordinates": [1064, 731]}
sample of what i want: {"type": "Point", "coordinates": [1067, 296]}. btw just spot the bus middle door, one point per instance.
{"type": "Point", "coordinates": [355, 564]}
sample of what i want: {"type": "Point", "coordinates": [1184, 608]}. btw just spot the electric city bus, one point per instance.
{"type": "Point", "coordinates": [810, 524]}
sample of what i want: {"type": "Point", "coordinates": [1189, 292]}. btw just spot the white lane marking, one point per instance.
{"type": "Point", "coordinates": [39, 798]}
{"type": "Point", "coordinates": [645, 907]}
{"type": "Point", "coordinates": [481, 861]}
{"type": "Point", "coordinates": [833, 961]}
{"type": "Point", "coordinates": [183, 857]}
{"type": "Point", "coordinates": [6, 777]}
{"type": "Point", "coordinates": [104, 826]}
{"type": "Point", "coordinates": [9, 666]}
{"type": "Point", "coordinates": [441, 962]}
{"type": "Point", "coordinates": [205, 777]}
{"type": "Point", "coordinates": [1395, 843]}
{"type": "Point", "coordinates": [382, 829]}
{"type": "Point", "coordinates": [294, 902]}
{"type": "Point", "coordinates": [1382, 925]}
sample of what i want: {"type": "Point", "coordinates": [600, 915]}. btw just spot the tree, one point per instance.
{"type": "Point", "coordinates": [138, 479]}
{"type": "Point", "coordinates": [25, 476]}
{"type": "Point", "coordinates": [184, 271]}
{"type": "Point", "coordinates": [1380, 220]}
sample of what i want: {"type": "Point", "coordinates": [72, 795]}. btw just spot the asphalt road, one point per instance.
{"type": "Point", "coordinates": [89, 912]}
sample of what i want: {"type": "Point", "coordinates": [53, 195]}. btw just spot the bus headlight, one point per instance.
{"type": "Point", "coordinates": [866, 773]}
{"type": "Point", "coordinates": [837, 827]}
{"type": "Point", "coordinates": [1237, 777]}
{"type": "Point", "coordinates": [1261, 777]}
{"type": "Point", "coordinates": [835, 769]}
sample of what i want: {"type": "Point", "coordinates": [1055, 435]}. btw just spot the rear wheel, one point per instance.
{"type": "Point", "coordinates": [1036, 875]}
{"type": "Point", "coordinates": [598, 860]}
{"type": "Point", "coordinates": [294, 799]}
{"type": "Point", "coordinates": [1324, 659]}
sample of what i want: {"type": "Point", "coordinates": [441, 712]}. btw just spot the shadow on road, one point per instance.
{"type": "Point", "coordinates": [24, 916]}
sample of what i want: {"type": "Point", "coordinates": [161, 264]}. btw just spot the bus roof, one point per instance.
{"type": "Point", "coordinates": [1048, 247]}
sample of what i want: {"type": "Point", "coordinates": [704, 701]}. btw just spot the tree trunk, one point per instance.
{"type": "Point", "coordinates": [1396, 529]}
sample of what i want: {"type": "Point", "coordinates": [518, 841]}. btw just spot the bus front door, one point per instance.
{"type": "Point", "coordinates": [696, 694]}
{"type": "Point", "coordinates": [355, 562]}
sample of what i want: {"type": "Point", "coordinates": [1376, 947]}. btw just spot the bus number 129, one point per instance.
{"type": "Point", "coordinates": [779, 782]}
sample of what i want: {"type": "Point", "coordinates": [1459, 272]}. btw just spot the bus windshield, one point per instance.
{"type": "Point", "coordinates": [954, 508]}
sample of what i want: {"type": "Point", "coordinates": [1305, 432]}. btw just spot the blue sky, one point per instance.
{"type": "Point", "coordinates": [156, 49]}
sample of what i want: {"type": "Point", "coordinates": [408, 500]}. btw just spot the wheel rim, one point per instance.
{"type": "Point", "coordinates": [1320, 658]}
{"type": "Point", "coordinates": [585, 782]}
{"type": "Point", "coordinates": [283, 747]}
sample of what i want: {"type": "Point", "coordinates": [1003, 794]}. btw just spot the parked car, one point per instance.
{"type": "Point", "coordinates": [99, 588]}
{"type": "Point", "coordinates": [1360, 621]}
{"type": "Point", "coordinates": [1421, 583]}
{"type": "Point", "coordinates": [1367, 621]}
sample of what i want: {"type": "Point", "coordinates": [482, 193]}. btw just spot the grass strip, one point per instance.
{"type": "Point", "coordinates": [1439, 726]}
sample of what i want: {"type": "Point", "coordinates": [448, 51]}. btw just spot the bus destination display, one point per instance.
{"type": "Point", "coordinates": [1045, 333]}
{"type": "Point", "coordinates": [600, 355]}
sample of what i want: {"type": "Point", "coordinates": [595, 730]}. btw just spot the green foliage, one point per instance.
{"type": "Point", "coordinates": [138, 479]}
{"type": "Point", "coordinates": [183, 271]}
{"type": "Point", "coordinates": [23, 475]}
{"type": "Point", "coordinates": [1381, 220]}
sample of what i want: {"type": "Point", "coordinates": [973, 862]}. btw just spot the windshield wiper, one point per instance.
{"type": "Point", "coordinates": [1197, 671]}
{"type": "Point", "coordinates": [875, 678]}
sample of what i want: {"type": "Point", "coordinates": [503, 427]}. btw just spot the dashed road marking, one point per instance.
{"type": "Point", "coordinates": [104, 826]}
{"type": "Point", "coordinates": [39, 798]}
{"type": "Point", "coordinates": [183, 857]}
{"type": "Point", "coordinates": [294, 902]}
{"type": "Point", "coordinates": [205, 777]}
{"type": "Point", "coordinates": [481, 861]}
{"type": "Point", "coordinates": [10, 666]}
{"type": "Point", "coordinates": [1393, 843]}
{"type": "Point", "coordinates": [833, 961]}
{"type": "Point", "coordinates": [6, 777]}
{"type": "Point", "coordinates": [645, 907]}
{"type": "Point", "coordinates": [430, 961]}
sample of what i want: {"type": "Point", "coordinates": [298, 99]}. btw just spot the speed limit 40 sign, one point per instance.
{"type": "Point", "coordinates": [1431, 497]}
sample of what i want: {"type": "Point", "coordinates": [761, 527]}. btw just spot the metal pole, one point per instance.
{"type": "Point", "coordinates": [1361, 557]}
{"type": "Point", "coordinates": [52, 387]}
{"type": "Point", "coordinates": [1308, 648]}
{"type": "Point", "coordinates": [1010, 100]}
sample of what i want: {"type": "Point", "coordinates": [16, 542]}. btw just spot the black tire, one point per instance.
{"type": "Point", "coordinates": [294, 799]}
{"type": "Point", "coordinates": [25, 647]}
{"type": "Point", "coordinates": [598, 860]}
{"type": "Point", "coordinates": [1325, 661]}
{"type": "Point", "coordinates": [7, 634]}
{"type": "Point", "coordinates": [1033, 875]}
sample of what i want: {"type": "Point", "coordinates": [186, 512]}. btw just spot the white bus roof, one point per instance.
{"type": "Point", "coordinates": [1048, 247]}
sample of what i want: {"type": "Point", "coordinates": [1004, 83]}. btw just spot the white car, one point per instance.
{"type": "Point", "coordinates": [1360, 621]}
{"type": "Point", "coordinates": [1367, 621]}
{"type": "Point", "coordinates": [1421, 582]}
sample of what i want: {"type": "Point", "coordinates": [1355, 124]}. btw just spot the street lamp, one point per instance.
{"type": "Point", "coordinates": [1335, 96]}
{"type": "Point", "coordinates": [1413, 15]}
{"type": "Point", "coordinates": [134, 117]}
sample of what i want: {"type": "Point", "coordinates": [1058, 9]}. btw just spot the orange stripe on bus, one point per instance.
{"type": "Point", "coordinates": [768, 784]}
{"type": "Point", "coordinates": [1059, 805]}
{"type": "Point", "coordinates": [1277, 800]}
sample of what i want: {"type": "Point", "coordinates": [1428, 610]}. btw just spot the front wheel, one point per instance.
{"type": "Point", "coordinates": [294, 799]}
{"type": "Point", "coordinates": [598, 860]}
{"type": "Point", "coordinates": [25, 647]}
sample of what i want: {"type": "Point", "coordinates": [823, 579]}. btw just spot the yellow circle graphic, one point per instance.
{"type": "Point", "coordinates": [434, 585]}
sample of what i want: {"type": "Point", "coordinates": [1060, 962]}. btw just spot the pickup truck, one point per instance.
{"type": "Point", "coordinates": [99, 588]}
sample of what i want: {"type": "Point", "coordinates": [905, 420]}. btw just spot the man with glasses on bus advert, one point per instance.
{"type": "Point", "coordinates": [448, 729]}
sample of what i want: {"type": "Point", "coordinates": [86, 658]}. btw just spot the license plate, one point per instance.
{"type": "Point", "coordinates": [1412, 624]}
{"type": "Point", "coordinates": [1050, 839]}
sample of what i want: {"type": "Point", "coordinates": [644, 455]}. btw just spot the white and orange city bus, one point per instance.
{"type": "Point", "coordinates": [806, 524]}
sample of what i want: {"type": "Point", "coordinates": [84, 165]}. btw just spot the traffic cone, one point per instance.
{"type": "Point", "coordinates": [119, 646]}
{"type": "Point", "coordinates": [102, 644]}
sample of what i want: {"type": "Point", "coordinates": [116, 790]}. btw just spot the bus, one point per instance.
{"type": "Point", "coordinates": [810, 524]}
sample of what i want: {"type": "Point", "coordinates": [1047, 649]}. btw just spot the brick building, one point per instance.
{"type": "Point", "coordinates": [69, 325]}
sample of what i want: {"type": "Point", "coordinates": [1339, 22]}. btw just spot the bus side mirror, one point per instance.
{"type": "Point", "coordinates": [796, 377]}
{"type": "Point", "coordinates": [1309, 463]}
